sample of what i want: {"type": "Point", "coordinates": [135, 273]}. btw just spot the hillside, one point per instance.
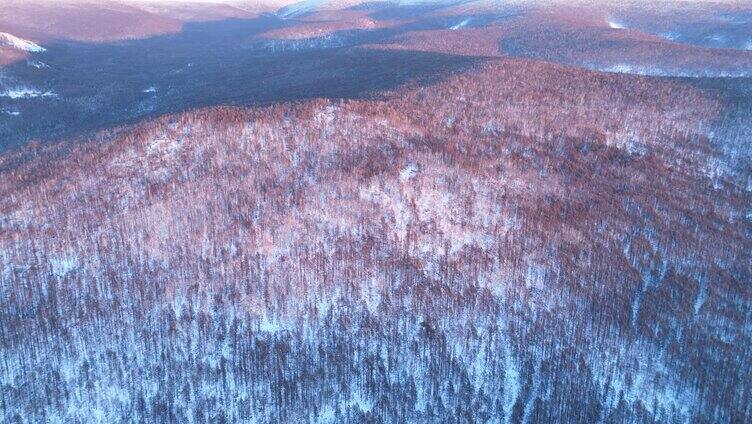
{"type": "Point", "coordinates": [403, 224]}
{"type": "Point", "coordinates": [321, 228]}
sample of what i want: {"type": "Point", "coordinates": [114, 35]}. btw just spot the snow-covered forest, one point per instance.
{"type": "Point", "coordinates": [518, 241]}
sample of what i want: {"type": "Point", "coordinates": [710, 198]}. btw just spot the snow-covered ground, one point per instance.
{"type": "Point", "coordinates": [638, 69]}
{"type": "Point", "coordinates": [25, 93]}
{"type": "Point", "coordinates": [10, 112]}
{"type": "Point", "coordinates": [19, 43]}
{"type": "Point", "coordinates": [297, 9]}
{"type": "Point", "coordinates": [461, 24]}
{"type": "Point", "coordinates": [37, 64]}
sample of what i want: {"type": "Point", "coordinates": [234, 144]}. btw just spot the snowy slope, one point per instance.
{"type": "Point", "coordinates": [19, 43]}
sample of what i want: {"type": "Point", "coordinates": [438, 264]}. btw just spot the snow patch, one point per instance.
{"type": "Point", "coordinates": [150, 89]}
{"type": "Point", "coordinates": [367, 23]}
{"type": "Point", "coordinates": [25, 93]}
{"type": "Point", "coordinates": [298, 9]}
{"type": "Point", "coordinates": [19, 43]}
{"type": "Point", "coordinates": [626, 140]}
{"type": "Point", "coordinates": [37, 64]}
{"type": "Point", "coordinates": [327, 415]}
{"type": "Point", "coordinates": [62, 266]}
{"type": "Point", "coordinates": [670, 35]}
{"type": "Point", "coordinates": [615, 25]}
{"type": "Point", "coordinates": [460, 24]}
{"type": "Point", "coordinates": [359, 401]}
{"type": "Point", "coordinates": [164, 146]}
{"type": "Point", "coordinates": [408, 172]}
{"type": "Point", "coordinates": [623, 68]}
{"type": "Point", "coordinates": [702, 295]}
{"type": "Point", "coordinates": [271, 325]}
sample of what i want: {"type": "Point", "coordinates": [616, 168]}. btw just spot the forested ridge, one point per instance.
{"type": "Point", "coordinates": [521, 242]}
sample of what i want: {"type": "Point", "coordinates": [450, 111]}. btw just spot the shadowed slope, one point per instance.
{"type": "Point", "coordinates": [94, 86]}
